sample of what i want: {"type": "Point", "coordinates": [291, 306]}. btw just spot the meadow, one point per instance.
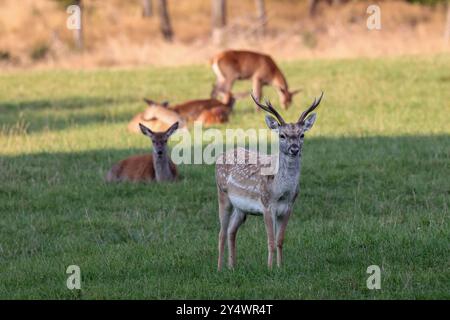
{"type": "Point", "coordinates": [375, 187]}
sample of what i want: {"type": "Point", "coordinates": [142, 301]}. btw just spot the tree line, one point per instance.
{"type": "Point", "coordinates": [219, 16]}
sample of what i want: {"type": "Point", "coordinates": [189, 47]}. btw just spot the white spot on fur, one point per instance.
{"type": "Point", "coordinates": [235, 183]}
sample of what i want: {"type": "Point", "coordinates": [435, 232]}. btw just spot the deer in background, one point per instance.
{"type": "Point", "coordinates": [157, 117]}
{"type": "Point", "coordinates": [208, 111]}
{"type": "Point", "coordinates": [232, 65]}
{"type": "Point", "coordinates": [161, 115]}
{"type": "Point", "coordinates": [243, 189]}
{"type": "Point", "coordinates": [150, 167]}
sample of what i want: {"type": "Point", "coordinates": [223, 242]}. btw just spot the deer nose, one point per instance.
{"type": "Point", "coordinates": [294, 149]}
{"type": "Point", "coordinates": [159, 152]}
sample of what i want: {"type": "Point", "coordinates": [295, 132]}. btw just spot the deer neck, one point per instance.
{"type": "Point", "coordinates": [288, 171]}
{"type": "Point", "coordinates": [279, 81]}
{"type": "Point", "coordinates": [162, 167]}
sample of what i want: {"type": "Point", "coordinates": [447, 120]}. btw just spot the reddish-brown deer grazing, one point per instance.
{"type": "Point", "coordinates": [150, 167]}
{"type": "Point", "coordinates": [232, 65]}
{"type": "Point", "coordinates": [243, 188]}
{"type": "Point", "coordinates": [207, 111]}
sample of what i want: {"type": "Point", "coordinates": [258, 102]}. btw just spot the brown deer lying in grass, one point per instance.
{"type": "Point", "coordinates": [244, 189]}
{"type": "Point", "coordinates": [209, 111]}
{"type": "Point", "coordinates": [161, 115]}
{"type": "Point", "coordinates": [149, 167]}
{"type": "Point", "coordinates": [232, 65]}
{"type": "Point", "coordinates": [157, 117]}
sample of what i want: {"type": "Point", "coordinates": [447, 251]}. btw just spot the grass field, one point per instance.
{"type": "Point", "coordinates": [375, 188]}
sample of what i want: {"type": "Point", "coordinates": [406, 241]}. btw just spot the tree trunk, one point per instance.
{"type": "Point", "coordinates": [313, 7]}
{"type": "Point", "coordinates": [165, 25]}
{"type": "Point", "coordinates": [447, 25]}
{"type": "Point", "coordinates": [78, 33]}
{"type": "Point", "coordinates": [147, 8]}
{"type": "Point", "coordinates": [219, 20]}
{"type": "Point", "coordinates": [262, 18]}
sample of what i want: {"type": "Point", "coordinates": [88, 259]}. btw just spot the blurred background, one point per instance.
{"type": "Point", "coordinates": [33, 33]}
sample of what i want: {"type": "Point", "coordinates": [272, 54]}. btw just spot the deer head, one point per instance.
{"type": "Point", "coordinates": [286, 96]}
{"type": "Point", "coordinates": [151, 103]}
{"type": "Point", "coordinates": [290, 134]}
{"type": "Point", "coordinates": [159, 139]}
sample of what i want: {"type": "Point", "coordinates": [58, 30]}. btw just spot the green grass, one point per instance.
{"type": "Point", "coordinates": [375, 188]}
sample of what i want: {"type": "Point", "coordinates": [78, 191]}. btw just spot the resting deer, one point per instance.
{"type": "Point", "coordinates": [158, 116]}
{"type": "Point", "coordinates": [232, 65]}
{"type": "Point", "coordinates": [244, 189]}
{"type": "Point", "coordinates": [208, 111]}
{"type": "Point", "coordinates": [149, 167]}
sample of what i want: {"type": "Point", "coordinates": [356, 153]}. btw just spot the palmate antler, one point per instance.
{"type": "Point", "coordinates": [270, 109]}
{"type": "Point", "coordinates": [313, 106]}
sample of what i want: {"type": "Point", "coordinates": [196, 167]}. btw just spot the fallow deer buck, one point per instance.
{"type": "Point", "coordinates": [232, 65]}
{"type": "Point", "coordinates": [149, 167]}
{"type": "Point", "coordinates": [244, 188]}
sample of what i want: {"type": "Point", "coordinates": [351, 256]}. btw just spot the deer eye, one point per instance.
{"type": "Point", "coordinates": [282, 136]}
{"type": "Point", "coordinates": [302, 136]}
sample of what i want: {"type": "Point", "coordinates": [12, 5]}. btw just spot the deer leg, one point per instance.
{"type": "Point", "coordinates": [225, 89]}
{"type": "Point", "coordinates": [268, 220]}
{"type": "Point", "coordinates": [213, 94]}
{"type": "Point", "coordinates": [224, 216]}
{"type": "Point", "coordinates": [257, 89]}
{"type": "Point", "coordinates": [237, 218]}
{"type": "Point", "coordinates": [216, 88]}
{"type": "Point", "coordinates": [281, 228]}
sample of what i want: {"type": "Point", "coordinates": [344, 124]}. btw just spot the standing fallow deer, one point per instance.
{"type": "Point", "coordinates": [232, 65]}
{"type": "Point", "coordinates": [149, 167]}
{"type": "Point", "coordinates": [244, 188]}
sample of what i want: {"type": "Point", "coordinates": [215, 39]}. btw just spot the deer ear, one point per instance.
{"type": "Point", "coordinates": [309, 121]}
{"type": "Point", "coordinates": [172, 129]}
{"type": "Point", "coordinates": [146, 131]}
{"type": "Point", "coordinates": [149, 102]}
{"type": "Point", "coordinates": [165, 104]}
{"type": "Point", "coordinates": [293, 92]}
{"type": "Point", "coordinates": [272, 123]}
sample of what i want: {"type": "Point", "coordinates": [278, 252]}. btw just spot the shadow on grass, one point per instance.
{"type": "Point", "coordinates": [380, 172]}
{"type": "Point", "coordinates": [37, 115]}
{"type": "Point", "coordinates": [76, 102]}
